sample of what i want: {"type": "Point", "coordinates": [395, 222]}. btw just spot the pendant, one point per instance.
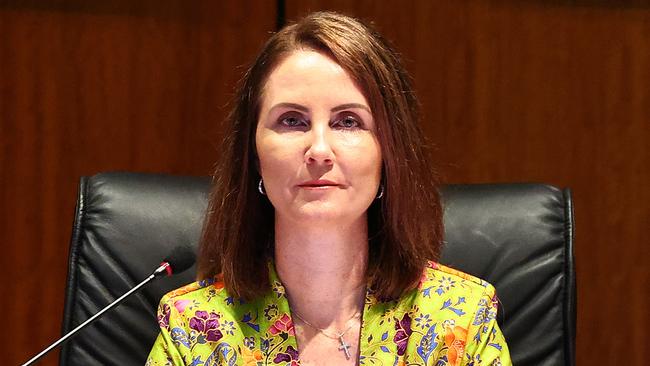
{"type": "Point", "coordinates": [344, 347]}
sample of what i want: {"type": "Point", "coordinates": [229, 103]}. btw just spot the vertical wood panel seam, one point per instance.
{"type": "Point", "coordinates": [281, 18]}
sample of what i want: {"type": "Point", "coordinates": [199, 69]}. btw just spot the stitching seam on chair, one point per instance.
{"type": "Point", "coordinates": [568, 287]}
{"type": "Point", "coordinates": [73, 268]}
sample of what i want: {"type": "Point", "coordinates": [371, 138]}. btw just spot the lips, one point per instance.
{"type": "Point", "coordinates": [318, 183]}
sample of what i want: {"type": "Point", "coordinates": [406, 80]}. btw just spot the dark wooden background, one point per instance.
{"type": "Point", "coordinates": [546, 91]}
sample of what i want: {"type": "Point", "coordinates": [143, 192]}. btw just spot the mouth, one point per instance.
{"type": "Point", "coordinates": [318, 184]}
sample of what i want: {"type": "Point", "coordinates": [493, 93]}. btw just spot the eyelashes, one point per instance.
{"type": "Point", "coordinates": [348, 122]}
{"type": "Point", "coordinates": [342, 121]}
{"type": "Point", "coordinates": [293, 121]}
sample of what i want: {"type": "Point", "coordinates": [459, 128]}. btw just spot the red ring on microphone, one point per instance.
{"type": "Point", "coordinates": [168, 268]}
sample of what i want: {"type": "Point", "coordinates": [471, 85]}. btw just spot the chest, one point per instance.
{"type": "Point", "coordinates": [385, 339]}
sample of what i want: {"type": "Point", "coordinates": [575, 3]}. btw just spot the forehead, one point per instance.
{"type": "Point", "coordinates": [306, 74]}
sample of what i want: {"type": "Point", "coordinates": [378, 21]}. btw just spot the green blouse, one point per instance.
{"type": "Point", "coordinates": [448, 320]}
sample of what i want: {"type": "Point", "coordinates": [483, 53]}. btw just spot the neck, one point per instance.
{"type": "Point", "coordinates": [323, 269]}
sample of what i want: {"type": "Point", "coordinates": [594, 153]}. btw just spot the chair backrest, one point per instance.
{"type": "Point", "coordinates": [519, 237]}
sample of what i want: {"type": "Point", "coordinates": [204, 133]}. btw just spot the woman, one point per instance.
{"type": "Point", "coordinates": [324, 221]}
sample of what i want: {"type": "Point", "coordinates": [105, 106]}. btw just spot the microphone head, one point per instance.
{"type": "Point", "coordinates": [181, 258]}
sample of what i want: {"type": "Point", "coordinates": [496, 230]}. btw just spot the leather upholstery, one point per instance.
{"type": "Point", "coordinates": [519, 237]}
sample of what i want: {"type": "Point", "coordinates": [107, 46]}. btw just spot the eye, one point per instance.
{"type": "Point", "coordinates": [347, 121]}
{"type": "Point", "coordinates": [292, 120]}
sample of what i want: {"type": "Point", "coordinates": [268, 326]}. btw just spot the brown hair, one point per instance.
{"type": "Point", "coordinates": [404, 227]}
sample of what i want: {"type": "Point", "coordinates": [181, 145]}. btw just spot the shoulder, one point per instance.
{"type": "Point", "coordinates": [447, 278]}
{"type": "Point", "coordinates": [450, 292]}
{"type": "Point", "coordinates": [205, 298]}
{"type": "Point", "coordinates": [461, 310]}
{"type": "Point", "coordinates": [196, 290]}
{"type": "Point", "coordinates": [201, 320]}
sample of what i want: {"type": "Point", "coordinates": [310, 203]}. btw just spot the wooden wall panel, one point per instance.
{"type": "Point", "coordinates": [512, 91]}
{"type": "Point", "coordinates": [553, 92]}
{"type": "Point", "coordinates": [91, 86]}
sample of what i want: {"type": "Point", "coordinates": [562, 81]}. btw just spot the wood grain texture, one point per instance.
{"type": "Point", "coordinates": [553, 92]}
{"type": "Point", "coordinates": [512, 91]}
{"type": "Point", "coordinates": [91, 86]}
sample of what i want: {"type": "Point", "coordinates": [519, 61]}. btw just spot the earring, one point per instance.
{"type": "Point", "coordinates": [260, 188]}
{"type": "Point", "coordinates": [381, 192]}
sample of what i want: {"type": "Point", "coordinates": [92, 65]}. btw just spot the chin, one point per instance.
{"type": "Point", "coordinates": [319, 215]}
{"type": "Point", "coordinates": [327, 214]}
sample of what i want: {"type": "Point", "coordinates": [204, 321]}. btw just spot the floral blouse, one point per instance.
{"type": "Point", "coordinates": [448, 320]}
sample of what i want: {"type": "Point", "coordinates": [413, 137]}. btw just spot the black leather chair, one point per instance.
{"type": "Point", "coordinates": [519, 237]}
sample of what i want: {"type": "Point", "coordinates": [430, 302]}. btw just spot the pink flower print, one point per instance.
{"type": "Point", "coordinates": [403, 328]}
{"type": "Point", "coordinates": [290, 357]}
{"type": "Point", "coordinates": [180, 305]}
{"type": "Point", "coordinates": [163, 317]}
{"type": "Point", "coordinates": [283, 325]}
{"type": "Point", "coordinates": [207, 325]}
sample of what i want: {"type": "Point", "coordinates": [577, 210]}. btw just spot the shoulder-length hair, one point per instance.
{"type": "Point", "coordinates": [404, 226]}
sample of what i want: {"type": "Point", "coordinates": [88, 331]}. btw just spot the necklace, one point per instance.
{"type": "Point", "coordinates": [337, 336]}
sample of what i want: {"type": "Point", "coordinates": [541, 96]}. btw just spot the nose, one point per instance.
{"type": "Point", "coordinates": [319, 150]}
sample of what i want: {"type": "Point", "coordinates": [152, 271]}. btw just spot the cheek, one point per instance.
{"type": "Point", "coordinates": [364, 156]}
{"type": "Point", "coordinates": [264, 149]}
{"type": "Point", "coordinates": [274, 158]}
{"type": "Point", "coordinates": [374, 165]}
{"type": "Point", "coordinates": [372, 153]}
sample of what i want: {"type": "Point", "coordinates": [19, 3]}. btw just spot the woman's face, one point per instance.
{"type": "Point", "coordinates": [318, 151]}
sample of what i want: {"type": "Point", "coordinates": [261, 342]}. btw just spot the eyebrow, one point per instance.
{"type": "Point", "coordinates": [291, 105]}
{"type": "Point", "coordinates": [335, 109]}
{"type": "Point", "coordinates": [350, 105]}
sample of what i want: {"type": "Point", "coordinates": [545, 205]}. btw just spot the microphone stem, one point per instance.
{"type": "Point", "coordinates": [91, 319]}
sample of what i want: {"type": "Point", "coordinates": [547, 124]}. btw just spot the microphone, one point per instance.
{"type": "Point", "coordinates": [180, 259]}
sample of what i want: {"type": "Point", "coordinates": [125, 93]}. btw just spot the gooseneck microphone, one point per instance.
{"type": "Point", "coordinates": [180, 259]}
